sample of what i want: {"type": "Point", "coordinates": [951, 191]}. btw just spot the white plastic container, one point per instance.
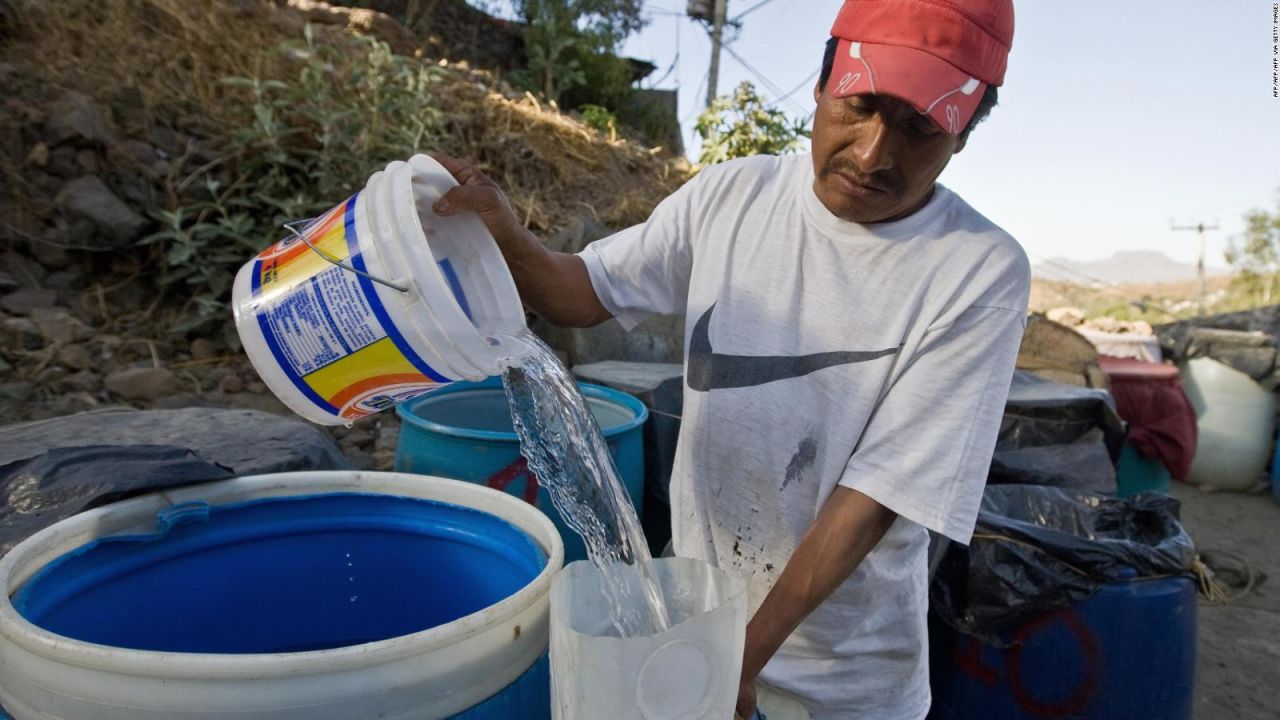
{"type": "Point", "coordinates": [377, 301]}
{"type": "Point", "coordinates": [421, 676]}
{"type": "Point", "coordinates": [1235, 418]}
{"type": "Point", "coordinates": [689, 672]}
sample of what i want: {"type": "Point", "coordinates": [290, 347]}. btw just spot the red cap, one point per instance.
{"type": "Point", "coordinates": [938, 55]}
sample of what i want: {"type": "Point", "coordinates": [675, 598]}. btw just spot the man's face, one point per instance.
{"type": "Point", "coordinates": [874, 157]}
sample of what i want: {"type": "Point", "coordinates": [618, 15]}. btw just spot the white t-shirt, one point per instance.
{"type": "Point", "coordinates": [821, 352]}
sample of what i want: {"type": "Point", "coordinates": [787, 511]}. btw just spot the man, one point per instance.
{"type": "Point", "coordinates": [851, 333]}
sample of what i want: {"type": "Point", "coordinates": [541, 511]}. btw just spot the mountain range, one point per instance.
{"type": "Point", "coordinates": [1134, 266]}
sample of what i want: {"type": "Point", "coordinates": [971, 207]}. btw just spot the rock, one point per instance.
{"type": "Point", "coordinates": [231, 384]}
{"type": "Point", "coordinates": [60, 326]}
{"type": "Point", "coordinates": [75, 118]}
{"type": "Point", "coordinates": [70, 279]}
{"type": "Point", "coordinates": [25, 300]}
{"type": "Point", "coordinates": [76, 356]}
{"type": "Point", "coordinates": [167, 140]}
{"type": "Point", "coordinates": [174, 402]}
{"type": "Point", "coordinates": [4, 366]}
{"type": "Point", "coordinates": [62, 163]}
{"type": "Point", "coordinates": [137, 153]}
{"type": "Point", "coordinates": [21, 333]}
{"type": "Point", "coordinates": [89, 197]}
{"type": "Point", "coordinates": [360, 435]}
{"type": "Point", "coordinates": [39, 155]}
{"type": "Point", "coordinates": [16, 391]}
{"type": "Point", "coordinates": [142, 383]}
{"type": "Point", "coordinates": [7, 280]}
{"type": "Point", "coordinates": [88, 161]}
{"type": "Point", "coordinates": [1069, 316]}
{"type": "Point", "coordinates": [203, 349]}
{"type": "Point", "coordinates": [52, 253]}
{"type": "Point", "coordinates": [26, 271]}
{"type": "Point", "coordinates": [257, 388]}
{"type": "Point", "coordinates": [83, 381]}
{"type": "Point", "coordinates": [51, 376]}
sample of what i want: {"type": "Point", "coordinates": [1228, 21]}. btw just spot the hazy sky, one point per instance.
{"type": "Point", "coordinates": [1117, 117]}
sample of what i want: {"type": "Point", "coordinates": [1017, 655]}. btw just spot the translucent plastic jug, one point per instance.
{"type": "Point", "coordinates": [690, 672]}
{"type": "Point", "coordinates": [1236, 421]}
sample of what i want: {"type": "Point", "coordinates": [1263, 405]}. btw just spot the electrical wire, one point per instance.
{"type": "Point", "coordinates": [797, 88]}
{"type": "Point", "coordinates": [751, 9]}
{"type": "Point", "coordinates": [769, 84]}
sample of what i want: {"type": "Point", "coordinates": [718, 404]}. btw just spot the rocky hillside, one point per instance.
{"type": "Point", "coordinates": [148, 147]}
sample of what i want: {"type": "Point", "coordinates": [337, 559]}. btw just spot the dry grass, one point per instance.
{"type": "Point", "coordinates": [170, 56]}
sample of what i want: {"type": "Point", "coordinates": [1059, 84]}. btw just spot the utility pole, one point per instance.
{"type": "Point", "coordinates": [1199, 228]}
{"type": "Point", "coordinates": [717, 37]}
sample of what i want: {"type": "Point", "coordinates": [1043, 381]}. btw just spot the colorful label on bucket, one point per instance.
{"type": "Point", "coordinates": [326, 326]}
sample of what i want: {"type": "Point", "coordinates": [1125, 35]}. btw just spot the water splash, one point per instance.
{"type": "Point", "coordinates": [565, 448]}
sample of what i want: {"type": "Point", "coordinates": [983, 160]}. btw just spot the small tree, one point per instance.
{"type": "Point", "coordinates": [560, 33]}
{"type": "Point", "coordinates": [742, 125]}
{"type": "Point", "coordinates": [1256, 256]}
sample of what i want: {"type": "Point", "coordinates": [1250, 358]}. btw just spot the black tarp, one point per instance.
{"type": "Point", "coordinates": [53, 469]}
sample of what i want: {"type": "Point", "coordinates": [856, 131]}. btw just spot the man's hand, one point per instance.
{"type": "Point", "coordinates": [478, 194]}
{"type": "Point", "coordinates": [556, 285]}
{"type": "Point", "coordinates": [747, 698]}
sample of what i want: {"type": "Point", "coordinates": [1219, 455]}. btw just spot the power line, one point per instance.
{"type": "Point", "coordinates": [675, 62]}
{"type": "Point", "coordinates": [696, 93]}
{"type": "Point", "coordinates": [797, 88]}
{"type": "Point", "coordinates": [751, 9]}
{"type": "Point", "coordinates": [769, 85]}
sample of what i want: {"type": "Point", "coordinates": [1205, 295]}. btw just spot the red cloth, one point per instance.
{"type": "Point", "coordinates": [1162, 423]}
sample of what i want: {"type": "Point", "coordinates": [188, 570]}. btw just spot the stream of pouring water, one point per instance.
{"type": "Point", "coordinates": [565, 448]}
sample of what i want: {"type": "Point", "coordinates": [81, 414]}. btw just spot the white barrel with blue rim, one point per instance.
{"type": "Point", "coordinates": [295, 596]}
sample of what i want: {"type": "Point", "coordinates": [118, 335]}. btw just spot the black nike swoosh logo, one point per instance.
{"type": "Point", "coordinates": [709, 370]}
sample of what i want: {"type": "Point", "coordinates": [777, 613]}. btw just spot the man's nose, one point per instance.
{"type": "Point", "coordinates": [871, 150]}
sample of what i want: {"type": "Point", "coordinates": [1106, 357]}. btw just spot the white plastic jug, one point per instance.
{"type": "Point", "coordinates": [377, 301]}
{"type": "Point", "coordinates": [1235, 418]}
{"type": "Point", "coordinates": [689, 672]}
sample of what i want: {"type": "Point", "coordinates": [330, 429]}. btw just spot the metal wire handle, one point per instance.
{"type": "Point", "coordinates": [291, 226]}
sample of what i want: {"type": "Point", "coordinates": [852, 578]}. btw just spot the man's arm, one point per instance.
{"type": "Point", "coordinates": [846, 529]}
{"type": "Point", "coordinates": [556, 285]}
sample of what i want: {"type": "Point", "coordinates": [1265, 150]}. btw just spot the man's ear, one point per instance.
{"type": "Point", "coordinates": [964, 139]}
{"type": "Point", "coordinates": [817, 91]}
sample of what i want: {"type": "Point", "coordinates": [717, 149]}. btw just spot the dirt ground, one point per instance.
{"type": "Point", "coordinates": [1238, 661]}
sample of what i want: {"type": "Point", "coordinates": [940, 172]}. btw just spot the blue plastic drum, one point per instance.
{"type": "Point", "coordinates": [291, 575]}
{"type": "Point", "coordinates": [1127, 652]}
{"type": "Point", "coordinates": [464, 431]}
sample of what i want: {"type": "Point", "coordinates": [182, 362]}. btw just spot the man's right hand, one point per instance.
{"type": "Point", "coordinates": [556, 285]}
{"type": "Point", "coordinates": [477, 193]}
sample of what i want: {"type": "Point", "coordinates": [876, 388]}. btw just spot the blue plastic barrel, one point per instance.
{"type": "Point", "coordinates": [464, 431]}
{"type": "Point", "coordinates": [297, 574]}
{"type": "Point", "coordinates": [1137, 474]}
{"type": "Point", "coordinates": [1127, 652]}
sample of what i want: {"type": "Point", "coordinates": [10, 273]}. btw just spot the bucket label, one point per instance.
{"type": "Point", "coordinates": [326, 326]}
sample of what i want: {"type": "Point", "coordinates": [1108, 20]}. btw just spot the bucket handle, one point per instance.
{"type": "Point", "coordinates": [291, 226]}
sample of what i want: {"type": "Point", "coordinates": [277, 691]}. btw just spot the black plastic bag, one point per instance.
{"type": "Point", "coordinates": [1040, 548]}
{"type": "Point", "coordinates": [53, 469]}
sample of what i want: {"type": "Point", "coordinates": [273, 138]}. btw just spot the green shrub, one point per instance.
{"type": "Point", "coordinates": [743, 125]}
{"type": "Point", "coordinates": [299, 147]}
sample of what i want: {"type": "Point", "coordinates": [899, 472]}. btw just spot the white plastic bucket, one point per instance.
{"type": "Point", "coordinates": [1235, 421]}
{"type": "Point", "coordinates": [689, 672]}
{"type": "Point", "coordinates": [413, 308]}
{"type": "Point", "coordinates": [434, 673]}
